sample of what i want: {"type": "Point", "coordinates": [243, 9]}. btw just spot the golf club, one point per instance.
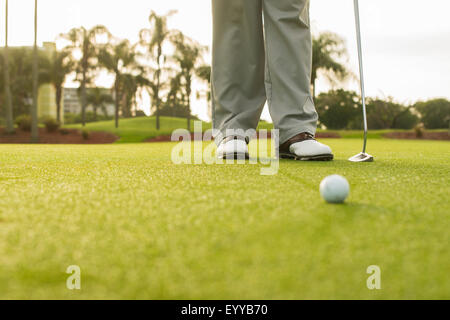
{"type": "Point", "coordinates": [363, 156]}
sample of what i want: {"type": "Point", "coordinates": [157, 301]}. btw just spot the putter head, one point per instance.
{"type": "Point", "coordinates": [362, 157]}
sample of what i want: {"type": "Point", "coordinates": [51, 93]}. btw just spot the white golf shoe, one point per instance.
{"type": "Point", "coordinates": [304, 147]}
{"type": "Point", "coordinates": [233, 148]}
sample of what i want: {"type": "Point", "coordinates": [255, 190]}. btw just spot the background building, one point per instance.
{"type": "Point", "coordinates": [47, 93]}
{"type": "Point", "coordinates": [72, 102]}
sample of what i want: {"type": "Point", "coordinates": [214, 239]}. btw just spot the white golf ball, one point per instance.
{"type": "Point", "coordinates": [335, 189]}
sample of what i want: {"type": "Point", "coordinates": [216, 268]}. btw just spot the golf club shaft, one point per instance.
{"type": "Point", "coordinates": [361, 71]}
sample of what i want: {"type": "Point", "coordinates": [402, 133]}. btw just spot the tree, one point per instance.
{"type": "Point", "coordinates": [434, 113]}
{"type": "Point", "coordinates": [86, 43]}
{"type": "Point", "coordinates": [34, 109]}
{"type": "Point", "coordinates": [21, 77]}
{"type": "Point", "coordinates": [7, 82]}
{"type": "Point", "coordinates": [58, 68]}
{"type": "Point", "coordinates": [188, 53]}
{"type": "Point", "coordinates": [174, 105]}
{"type": "Point", "coordinates": [131, 84]}
{"type": "Point", "coordinates": [120, 60]}
{"type": "Point", "coordinates": [405, 119]}
{"type": "Point", "coordinates": [338, 109]}
{"type": "Point", "coordinates": [99, 98]}
{"type": "Point", "coordinates": [328, 48]}
{"type": "Point", "coordinates": [204, 74]}
{"type": "Point", "coordinates": [153, 39]}
{"type": "Point", "coordinates": [387, 114]}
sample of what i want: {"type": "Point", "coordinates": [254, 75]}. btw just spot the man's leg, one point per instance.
{"type": "Point", "coordinates": [238, 65]}
{"type": "Point", "coordinates": [289, 63]}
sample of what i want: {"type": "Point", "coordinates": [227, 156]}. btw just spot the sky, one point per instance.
{"type": "Point", "coordinates": [406, 43]}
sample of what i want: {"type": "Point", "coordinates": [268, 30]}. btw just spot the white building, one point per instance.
{"type": "Point", "coordinates": [72, 102]}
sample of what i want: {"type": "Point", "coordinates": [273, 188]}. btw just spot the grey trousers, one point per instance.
{"type": "Point", "coordinates": [262, 52]}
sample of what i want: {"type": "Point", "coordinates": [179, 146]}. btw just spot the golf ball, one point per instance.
{"type": "Point", "coordinates": [335, 189]}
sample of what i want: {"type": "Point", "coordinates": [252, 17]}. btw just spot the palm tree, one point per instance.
{"type": "Point", "coordinates": [131, 84]}
{"type": "Point", "coordinates": [328, 48]}
{"type": "Point", "coordinates": [153, 39]}
{"type": "Point", "coordinates": [34, 108]}
{"type": "Point", "coordinates": [204, 74]}
{"type": "Point", "coordinates": [99, 98]}
{"type": "Point", "coordinates": [188, 53]}
{"type": "Point", "coordinates": [120, 60]}
{"type": "Point", "coordinates": [8, 98]}
{"type": "Point", "coordinates": [175, 96]}
{"type": "Point", "coordinates": [58, 68]}
{"type": "Point", "coordinates": [86, 42]}
{"type": "Point", "coordinates": [20, 78]}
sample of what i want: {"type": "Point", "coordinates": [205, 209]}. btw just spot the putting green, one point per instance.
{"type": "Point", "coordinates": [139, 226]}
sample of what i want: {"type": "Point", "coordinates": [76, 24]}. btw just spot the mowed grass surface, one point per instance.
{"type": "Point", "coordinates": [142, 129]}
{"type": "Point", "coordinates": [139, 129]}
{"type": "Point", "coordinates": [142, 227]}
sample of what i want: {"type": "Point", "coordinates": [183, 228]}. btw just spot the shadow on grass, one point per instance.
{"type": "Point", "coordinates": [352, 211]}
{"type": "Point", "coordinates": [314, 163]}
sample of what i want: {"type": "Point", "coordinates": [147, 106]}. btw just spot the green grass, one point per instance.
{"type": "Point", "coordinates": [141, 129]}
{"type": "Point", "coordinates": [142, 227]}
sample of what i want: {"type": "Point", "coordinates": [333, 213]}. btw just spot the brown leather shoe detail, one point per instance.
{"type": "Point", "coordinates": [305, 136]}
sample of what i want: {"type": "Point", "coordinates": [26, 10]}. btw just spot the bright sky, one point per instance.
{"type": "Point", "coordinates": [406, 42]}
